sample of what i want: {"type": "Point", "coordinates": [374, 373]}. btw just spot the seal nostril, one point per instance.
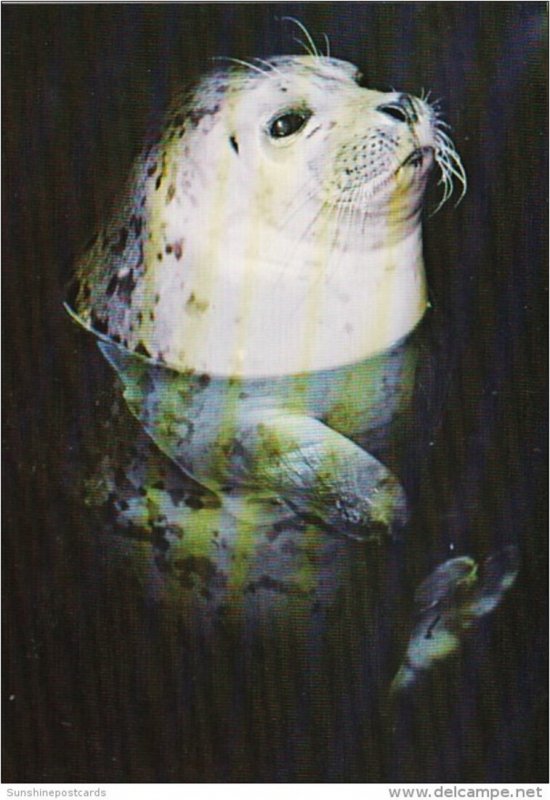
{"type": "Point", "coordinates": [395, 111]}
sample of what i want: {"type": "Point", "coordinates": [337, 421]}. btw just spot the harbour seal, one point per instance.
{"type": "Point", "coordinates": [260, 292]}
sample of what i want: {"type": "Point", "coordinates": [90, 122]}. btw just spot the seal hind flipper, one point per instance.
{"type": "Point", "coordinates": [448, 604]}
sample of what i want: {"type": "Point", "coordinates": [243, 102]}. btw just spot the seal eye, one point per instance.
{"type": "Point", "coordinates": [395, 111]}
{"type": "Point", "coordinates": [287, 124]}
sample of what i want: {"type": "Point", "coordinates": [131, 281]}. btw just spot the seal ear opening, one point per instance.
{"type": "Point", "coordinates": [234, 144]}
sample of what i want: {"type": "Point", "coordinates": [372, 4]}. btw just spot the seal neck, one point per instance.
{"type": "Point", "coordinates": [318, 311]}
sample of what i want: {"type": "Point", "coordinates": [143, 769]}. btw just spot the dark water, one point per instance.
{"type": "Point", "coordinates": [96, 686]}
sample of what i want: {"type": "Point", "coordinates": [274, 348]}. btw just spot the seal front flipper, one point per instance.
{"type": "Point", "coordinates": [320, 474]}
{"type": "Point", "coordinates": [255, 457]}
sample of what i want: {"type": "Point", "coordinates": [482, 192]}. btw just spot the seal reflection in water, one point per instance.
{"type": "Point", "coordinates": [259, 291]}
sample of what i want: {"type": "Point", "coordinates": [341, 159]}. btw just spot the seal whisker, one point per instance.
{"type": "Point", "coordinates": [297, 204]}
{"type": "Point", "coordinates": [271, 68]}
{"type": "Point", "coordinates": [355, 219]}
{"type": "Point", "coordinates": [306, 231]}
{"type": "Point", "coordinates": [334, 209]}
{"type": "Point", "coordinates": [242, 63]}
{"type": "Point", "coordinates": [447, 191]}
{"type": "Point", "coordinates": [309, 45]}
{"type": "Point", "coordinates": [451, 167]}
{"type": "Point", "coordinates": [323, 207]}
{"type": "Point", "coordinates": [349, 215]}
{"type": "Point", "coordinates": [440, 123]}
{"type": "Point", "coordinates": [301, 198]}
{"type": "Point", "coordinates": [454, 166]}
{"type": "Point", "coordinates": [304, 45]}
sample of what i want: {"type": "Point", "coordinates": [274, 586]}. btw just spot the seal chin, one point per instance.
{"type": "Point", "coordinates": [410, 177]}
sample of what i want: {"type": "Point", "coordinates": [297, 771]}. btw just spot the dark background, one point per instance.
{"type": "Point", "coordinates": [81, 698]}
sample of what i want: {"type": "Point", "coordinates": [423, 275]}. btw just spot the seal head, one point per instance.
{"type": "Point", "coordinates": [274, 228]}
